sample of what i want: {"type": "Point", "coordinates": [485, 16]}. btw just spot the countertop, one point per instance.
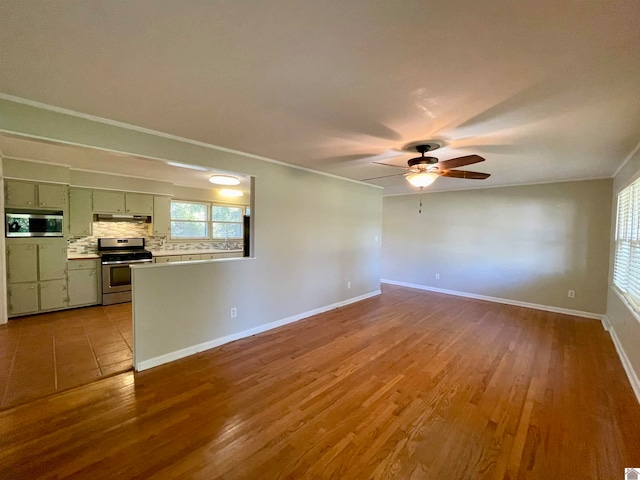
{"type": "Point", "coordinates": [82, 256]}
{"type": "Point", "coordinates": [157, 253]}
{"type": "Point", "coordinates": [194, 251]}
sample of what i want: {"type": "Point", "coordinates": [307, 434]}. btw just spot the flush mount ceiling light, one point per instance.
{"type": "Point", "coordinates": [224, 180]}
{"type": "Point", "coordinates": [229, 192]}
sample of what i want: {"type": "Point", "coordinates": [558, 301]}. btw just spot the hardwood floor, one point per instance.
{"type": "Point", "coordinates": [42, 354]}
{"type": "Point", "coordinates": [406, 385]}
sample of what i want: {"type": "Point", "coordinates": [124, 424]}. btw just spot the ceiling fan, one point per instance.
{"type": "Point", "coordinates": [422, 170]}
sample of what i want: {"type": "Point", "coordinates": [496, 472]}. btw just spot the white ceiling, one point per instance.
{"type": "Point", "coordinates": [81, 158]}
{"type": "Point", "coordinates": [544, 90]}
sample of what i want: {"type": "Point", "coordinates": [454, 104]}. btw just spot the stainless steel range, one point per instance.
{"type": "Point", "coordinates": [116, 255]}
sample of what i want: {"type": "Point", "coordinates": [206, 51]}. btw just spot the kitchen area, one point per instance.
{"type": "Point", "coordinates": [71, 235]}
{"type": "Point", "coordinates": [69, 247]}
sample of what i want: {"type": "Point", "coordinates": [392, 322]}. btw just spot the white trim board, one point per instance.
{"type": "Point", "coordinates": [185, 352]}
{"type": "Point", "coordinates": [536, 306]}
{"type": "Point", "coordinates": [626, 364]}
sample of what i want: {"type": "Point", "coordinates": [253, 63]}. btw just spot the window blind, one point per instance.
{"type": "Point", "coordinates": [626, 270]}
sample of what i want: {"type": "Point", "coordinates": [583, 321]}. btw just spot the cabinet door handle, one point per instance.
{"type": "Point", "coordinates": [32, 287]}
{"type": "Point", "coordinates": [42, 285]}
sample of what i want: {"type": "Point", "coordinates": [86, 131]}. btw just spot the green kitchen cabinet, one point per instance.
{"type": "Point", "coordinates": [161, 216]}
{"type": "Point", "coordinates": [36, 275]}
{"type": "Point", "coordinates": [22, 263]}
{"type": "Point", "coordinates": [34, 195]}
{"type": "Point", "coordinates": [53, 294]}
{"type": "Point", "coordinates": [19, 194]}
{"type": "Point", "coordinates": [83, 281]}
{"type": "Point", "coordinates": [105, 201]}
{"type": "Point", "coordinates": [22, 298]}
{"type": "Point", "coordinates": [139, 204]}
{"type": "Point", "coordinates": [108, 202]}
{"type": "Point", "coordinates": [52, 196]}
{"type": "Point", "coordinates": [80, 212]}
{"type": "Point", "coordinates": [52, 261]}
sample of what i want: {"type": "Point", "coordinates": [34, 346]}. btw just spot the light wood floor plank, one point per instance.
{"type": "Point", "coordinates": [409, 384]}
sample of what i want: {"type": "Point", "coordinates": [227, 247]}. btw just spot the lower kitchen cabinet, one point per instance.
{"type": "Point", "coordinates": [23, 298]}
{"type": "Point", "coordinates": [36, 275]}
{"type": "Point", "coordinates": [167, 259]}
{"type": "Point", "coordinates": [53, 294]}
{"type": "Point", "coordinates": [83, 282]}
{"type": "Point", "coordinates": [22, 263]}
{"type": "Point", "coordinates": [214, 256]}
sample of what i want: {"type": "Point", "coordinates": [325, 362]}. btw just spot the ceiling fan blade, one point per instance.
{"type": "Point", "coordinates": [389, 165]}
{"type": "Point", "coordinates": [384, 176]}
{"type": "Point", "coordinates": [465, 174]}
{"type": "Point", "coordinates": [459, 162]}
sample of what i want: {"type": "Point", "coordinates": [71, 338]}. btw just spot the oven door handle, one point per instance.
{"type": "Point", "coordinates": [122, 262]}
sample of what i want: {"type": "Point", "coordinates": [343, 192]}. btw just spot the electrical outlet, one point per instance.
{"type": "Point", "coordinates": [234, 312]}
{"type": "Point", "coordinates": [348, 284]}
{"type": "Point", "coordinates": [571, 294]}
{"type": "Point", "coordinates": [437, 276]}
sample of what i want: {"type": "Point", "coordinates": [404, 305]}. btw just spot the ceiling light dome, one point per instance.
{"type": "Point", "coordinates": [224, 180]}
{"type": "Point", "coordinates": [422, 179]}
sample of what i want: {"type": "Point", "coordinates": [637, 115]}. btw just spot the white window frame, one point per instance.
{"type": "Point", "coordinates": [209, 221]}
{"type": "Point", "coordinates": [243, 210]}
{"type": "Point", "coordinates": [626, 269]}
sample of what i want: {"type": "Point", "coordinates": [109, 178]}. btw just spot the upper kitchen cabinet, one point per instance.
{"type": "Point", "coordinates": [34, 195]}
{"type": "Point", "coordinates": [52, 196]}
{"type": "Point", "coordinates": [138, 203]}
{"type": "Point", "coordinates": [162, 216]}
{"type": "Point", "coordinates": [80, 212]}
{"type": "Point", "coordinates": [119, 202]}
{"type": "Point", "coordinates": [108, 202]}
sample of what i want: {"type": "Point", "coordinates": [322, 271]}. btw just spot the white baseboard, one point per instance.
{"type": "Point", "coordinates": [548, 308]}
{"type": "Point", "coordinates": [185, 352]}
{"type": "Point", "coordinates": [628, 368]}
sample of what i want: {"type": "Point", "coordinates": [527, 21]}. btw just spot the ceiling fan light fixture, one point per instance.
{"type": "Point", "coordinates": [224, 180]}
{"type": "Point", "coordinates": [422, 179]}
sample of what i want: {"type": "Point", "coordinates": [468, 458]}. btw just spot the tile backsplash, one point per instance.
{"type": "Point", "coordinates": [137, 230]}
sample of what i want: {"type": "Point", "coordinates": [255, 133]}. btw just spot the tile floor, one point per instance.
{"type": "Point", "coordinates": [42, 354]}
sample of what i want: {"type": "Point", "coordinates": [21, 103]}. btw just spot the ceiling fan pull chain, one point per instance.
{"type": "Point", "coordinates": [420, 209]}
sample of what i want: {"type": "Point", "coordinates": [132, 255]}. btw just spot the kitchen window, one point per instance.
{"type": "Point", "coordinates": [626, 270]}
{"type": "Point", "coordinates": [189, 220]}
{"type": "Point", "coordinates": [205, 221]}
{"type": "Point", "coordinates": [226, 221]}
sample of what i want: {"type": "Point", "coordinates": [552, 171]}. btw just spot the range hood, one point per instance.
{"type": "Point", "coordinates": [121, 217]}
